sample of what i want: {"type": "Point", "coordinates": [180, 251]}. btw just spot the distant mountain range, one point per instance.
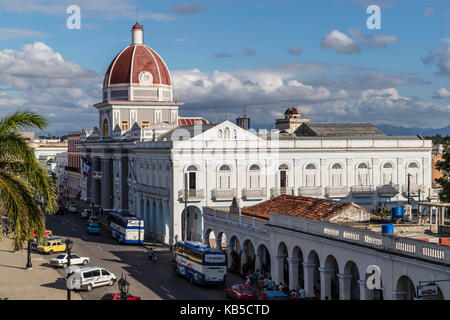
{"type": "Point", "coordinates": [402, 131]}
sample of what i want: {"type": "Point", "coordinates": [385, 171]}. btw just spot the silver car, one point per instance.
{"type": "Point", "coordinates": [62, 260]}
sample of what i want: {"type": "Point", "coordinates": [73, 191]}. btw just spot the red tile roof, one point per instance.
{"type": "Point", "coordinates": [190, 121]}
{"type": "Point", "coordinates": [303, 207]}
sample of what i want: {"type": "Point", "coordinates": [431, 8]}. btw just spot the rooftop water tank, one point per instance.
{"type": "Point", "coordinates": [397, 213]}
{"type": "Point", "coordinates": [387, 229]}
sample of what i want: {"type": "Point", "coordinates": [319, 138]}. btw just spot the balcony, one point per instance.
{"type": "Point", "coordinates": [97, 175]}
{"type": "Point", "coordinates": [275, 192]}
{"type": "Point", "coordinates": [72, 169]}
{"type": "Point", "coordinates": [223, 194]}
{"type": "Point", "coordinates": [192, 195]}
{"type": "Point", "coordinates": [362, 191]}
{"type": "Point", "coordinates": [434, 193]}
{"type": "Point", "coordinates": [413, 189]}
{"type": "Point", "coordinates": [388, 190]}
{"type": "Point", "coordinates": [254, 194]}
{"type": "Point", "coordinates": [310, 191]}
{"type": "Point", "coordinates": [336, 192]}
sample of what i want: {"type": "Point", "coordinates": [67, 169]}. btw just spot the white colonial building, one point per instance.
{"type": "Point", "coordinates": [148, 160]}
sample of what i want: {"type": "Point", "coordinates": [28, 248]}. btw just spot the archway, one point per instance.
{"type": "Point", "coordinates": [193, 218]}
{"type": "Point", "coordinates": [147, 216]}
{"type": "Point", "coordinates": [221, 242]}
{"type": "Point", "coordinates": [210, 238]}
{"type": "Point", "coordinates": [248, 264]}
{"type": "Point", "coordinates": [299, 277]}
{"type": "Point", "coordinates": [234, 255]}
{"type": "Point", "coordinates": [405, 288]}
{"type": "Point", "coordinates": [330, 288]}
{"type": "Point", "coordinates": [160, 229]}
{"type": "Point", "coordinates": [263, 259]}
{"type": "Point", "coordinates": [313, 286]}
{"type": "Point", "coordinates": [153, 218]}
{"type": "Point", "coordinates": [351, 286]}
{"type": "Point", "coordinates": [282, 263]}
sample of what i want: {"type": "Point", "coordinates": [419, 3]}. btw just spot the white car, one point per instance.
{"type": "Point", "coordinates": [86, 213]}
{"type": "Point", "coordinates": [73, 208]}
{"type": "Point", "coordinates": [63, 261]}
{"type": "Point", "coordinates": [86, 278]}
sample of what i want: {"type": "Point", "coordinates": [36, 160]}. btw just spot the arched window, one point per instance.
{"type": "Point", "coordinates": [413, 172]}
{"type": "Point", "coordinates": [283, 171]}
{"type": "Point", "coordinates": [362, 174]}
{"type": "Point", "coordinates": [219, 134]}
{"type": "Point", "coordinates": [192, 177]}
{"type": "Point", "coordinates": [387, 173]}
{"type": "Point", "coordinates": [227, 133]}
{"type": "Point", "coordinates": [254, 177]}
{"type": "Point", "coordinates": [224, 177]}
{"type": "Point", "coordinates": [336, 175]}
{"type": "Point", "coordinates": [310, 176]}
{"type": "Point", "coordinates": [105, 128]}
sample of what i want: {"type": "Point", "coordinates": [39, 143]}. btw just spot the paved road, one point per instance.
{"type": "Point", "coordinates": [149, 281]}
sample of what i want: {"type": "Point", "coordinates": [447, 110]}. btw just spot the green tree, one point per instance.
{"type": "Point", "coordinates": [22, 179]}
{"type": "Point", "coordinates": [444, 166]}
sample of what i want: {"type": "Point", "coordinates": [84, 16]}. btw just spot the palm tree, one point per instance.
{"type": "Point", "coordinates": [23, 179]}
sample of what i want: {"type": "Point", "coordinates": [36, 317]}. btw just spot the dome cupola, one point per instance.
{"type": "Point", "coordinates": [137, 73]}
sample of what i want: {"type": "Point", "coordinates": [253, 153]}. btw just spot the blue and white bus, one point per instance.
{"type": "Point", "coordinates": [125, 227]}
{"type": "Point", "coordinates": [199, 263]}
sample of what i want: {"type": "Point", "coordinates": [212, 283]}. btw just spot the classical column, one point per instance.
{"type": "Point", "coordinates": [426, 174]}
{"type": "Point", "coordinates": [363, 291]}
{"type": "Point", "coordinates": [123, 183]}
{"type": "Point", "coordinates": [297, 175]}
{"type": "Point", "coordinates": [239, 174]}
{"type": "Point", "coordinates": [96, 183]}
{"type": "Point", "coordinates": [401, 174]}
{"type": "Point", "coordinates": [325, 283]}
{"type": "Point", "coordinates": [243, 260]}
{"type": "Point", "coordinates": [229, 256]}
{"type": "Point", "coordinates": [176, 207]}
{"type": "Point", "coordinates": [107, 184]}
{"type": "Point", "coordinates": [345, 281]}
{"type": "Point", "coordinates": [323, 174]}
{"type": "Point", "coordinates": [209, 171]}
{"type": "Point", "coordinates": [293, 272]}
{"type": "Point", "coordinates": [258, 261]}
{"type": "Point", "coordinates": [308, 274]}
{"type": "Point", "coordinates": [89, 182]}
{"type": "Point", "coordinates": [269, 177]}
{"type": "Point", "coordinates": [349, 177]}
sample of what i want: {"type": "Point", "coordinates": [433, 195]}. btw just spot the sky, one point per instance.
{"type": "Point", "coordinates": [224, 55]}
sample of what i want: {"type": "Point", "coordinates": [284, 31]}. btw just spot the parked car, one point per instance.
{"type": "Point", "coordinates": [72, 208]}
{"type": "Point", "coordinates": [94, 228]}
{"type": "Point", "coordinates": [241, 292]}
{"type": "Point", "coordinates": [116, 296]}
{"type": "Point", "coordinates": [274, 295]}
{"type": "Point", "coordinates": [86, 278]}
{"type": "Point", "coordinates": [93, 219]}
{"type": "Point", "coordinates": [63, 261]}
{"type": "Point", "coordinates": [86, 213]}
{"type": "Point", "coordinates": [52, 245]}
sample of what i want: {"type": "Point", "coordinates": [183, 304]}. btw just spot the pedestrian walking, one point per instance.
{"type": "Point", "coordinates": [301, 293]}
{"type": "Point", "coordinates": [270, 284]}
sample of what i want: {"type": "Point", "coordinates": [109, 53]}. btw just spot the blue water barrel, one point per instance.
{"type": "Point", "coordinates": [397, 212]}
{"type": "Point", "coordinates": [387, 228]}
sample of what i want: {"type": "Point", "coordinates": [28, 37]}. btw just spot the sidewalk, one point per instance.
{"type": "Point", "coordinates": [17, 283]}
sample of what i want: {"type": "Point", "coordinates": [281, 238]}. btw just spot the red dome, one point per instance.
{"type": "Point", "coordinates": [127, 66]}
{"type": "Point", "coordinates": [291, 111]}
{"type": "Point", "coordinates": [137, 26]}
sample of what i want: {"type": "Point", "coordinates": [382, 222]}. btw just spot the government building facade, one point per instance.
{"type": "Point", "coordinates": [148, 160]}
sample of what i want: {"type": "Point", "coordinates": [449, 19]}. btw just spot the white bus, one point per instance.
{"type": "Point", "coordinates": [199, 263]}
{"type": "Point", "coordinates": [126, 228]}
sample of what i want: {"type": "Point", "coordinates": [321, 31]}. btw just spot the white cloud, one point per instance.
{"type": "Point", "coordinates": [441, 93]}
{"type": "Point", "coordinates": [377, 40]}
{"type": "Point", "coordinates": [8, 33]}
{"type": "Point", "coordinates": [340, 42]}
{"type": "Point", "coordinates": [440, 57]}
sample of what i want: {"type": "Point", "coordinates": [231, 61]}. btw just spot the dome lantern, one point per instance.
{"type": "Point", "coordinates": [137, 34]}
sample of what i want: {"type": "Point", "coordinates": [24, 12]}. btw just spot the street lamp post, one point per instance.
{"type": "Point", "coordinates": [69, 244]}
{"type": "Point", "coordinates": [124, 286]}
{"type": "Point", "coordinates": [29, 265]}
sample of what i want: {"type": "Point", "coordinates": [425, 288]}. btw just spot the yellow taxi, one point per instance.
{"type": "Point", "coordinates": [51, 246]}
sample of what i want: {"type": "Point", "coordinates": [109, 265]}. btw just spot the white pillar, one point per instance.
{"type": "Point", "coordinates": [325, 283]}
{"type": "Point", "coordinates": [308, 274]}
{"type": "Point", "coordinates": [349, 176]}
{"type": "Point", "coordinates": [293, 273]}
{"type": "Point", "coordinates": [363, 291]}
{"type": "Point", "coordinates": [258, 261]}
{"type": "Point", "coordinates": [243, 259]}
{"type": "Point", "coordinates": [345, 281]}
{"type": "Point", "coordinates": [323, 174]}
{"type": "Point", "coordinates": [277, 273]}
{"type": "Point", "coordinates": [297, 175]}
{"type": "Point", "coordinates": [269, 177]}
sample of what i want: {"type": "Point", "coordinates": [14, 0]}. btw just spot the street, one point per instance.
{"type": "Point", "coordinates": [148, 281]}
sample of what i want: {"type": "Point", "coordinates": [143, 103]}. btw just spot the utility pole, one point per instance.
{"type": "Point", "coordinates": [409, 184]}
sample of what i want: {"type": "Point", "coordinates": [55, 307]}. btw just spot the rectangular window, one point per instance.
{"type": "Point", "coordinates": [124, 124]}
{"type": "Point", "coordinates": [145, 123]}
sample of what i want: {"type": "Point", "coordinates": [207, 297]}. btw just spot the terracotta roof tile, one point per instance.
{"type": "Point", "coordinates": [303, 207]}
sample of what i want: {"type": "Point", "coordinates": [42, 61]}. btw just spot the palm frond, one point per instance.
{"type": "Point", "coordinates": [22, 119]}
